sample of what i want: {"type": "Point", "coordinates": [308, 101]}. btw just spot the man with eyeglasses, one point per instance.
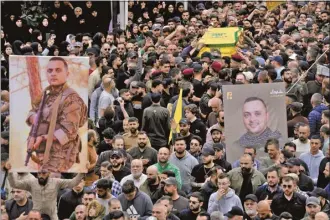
{"type": "Point", "coordinates": [105, 50]}
{"type": "Point", "coordinates": [19, 206]}
{"type": "Point", "coordinates": [289, 201]}
{"type": "Point", "coordinates": [195, 147]}
{"type": "Point", "coordinates": [195, 207]}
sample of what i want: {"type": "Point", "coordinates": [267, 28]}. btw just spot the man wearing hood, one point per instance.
{"type": "Point", "coordinates": [314, 117]}
{"type": "Point", "coordinates": [313, 158]}
{"type": "Point", "coordinates": [137, 204]}
{"type": "Point", "coordinates": [224, 199]}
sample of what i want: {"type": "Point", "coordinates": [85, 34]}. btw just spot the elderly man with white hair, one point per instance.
{"type": "Point", "coordinates": [136, 174]}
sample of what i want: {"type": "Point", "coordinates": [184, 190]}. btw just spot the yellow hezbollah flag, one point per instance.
{"type": "Point", "coordinates": [273, 4]}
{"type": "Point", "coordinates": [177, 115]}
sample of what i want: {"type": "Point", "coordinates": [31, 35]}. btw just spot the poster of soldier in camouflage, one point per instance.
{"type": "Point", "coordinates": [48, 107]}
{"type": "Point", "coordinates": [253, 114]}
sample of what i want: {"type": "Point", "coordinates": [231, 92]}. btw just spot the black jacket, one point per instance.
{"type": "Point", "coordinates": [296, 206]}
{"type": "Point", "coordinates": [68, 203]}
{"type": "Point", "coordinates": [305, 183]}
{"type": "Point", "coordinates": [198, 128]}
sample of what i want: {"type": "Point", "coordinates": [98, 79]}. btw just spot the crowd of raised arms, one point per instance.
{"type": "Point", "coordinates": [135, 77]}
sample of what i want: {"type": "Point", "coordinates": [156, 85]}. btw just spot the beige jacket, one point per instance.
{"type": "Point", "coordinates": [44, 197]}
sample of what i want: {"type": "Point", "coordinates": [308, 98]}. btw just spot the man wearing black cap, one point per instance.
{"type": "Point", "coordinates": [202, 171]}
{"type": "Point", "coordinates": [236, 213]}
{"type": "Point", "coordinates": [184, 125]}
{"type": "Point", "coordinates": [322, 195]}
{"type": "Point", "coordinates": [199, 87]}
{"type": "Point", "coordinates": [305, 182]}
{"type": "Point", "coordinates": [156, 122]}
{"type": "Point", "coordinates": [171, 189]}
{"type": "Point", "coordinates": [295, 110]}
{"type": "Point", "coordinates": [216, 134]}
{"type": "Point", "coordinates": [219, 157]}
{"type": "Point", "coordinates": [137, 100]}
{"type": "Point", "coordinates": [119, 170]}
{"type": "Point", "coordinates": [250, 206]}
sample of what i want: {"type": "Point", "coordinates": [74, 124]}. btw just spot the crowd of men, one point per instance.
{"type": "Point", "coordinates": [134, 172]}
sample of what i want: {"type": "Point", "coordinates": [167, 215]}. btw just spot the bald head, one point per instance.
{"type": "Point", "coordinates": [152, 169]}
{"type": "Point", "coordinates": [263, 209]}
{"type": "Point", "coordinates": [321, 216]}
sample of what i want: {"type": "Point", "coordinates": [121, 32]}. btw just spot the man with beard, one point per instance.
{"type": "Point", "coordinates": [131, 137]}
{"type": "Point", "coordinates": [195, 148]}
{"type": "Point", "coordinates": [269, 190]}
{"type": "Point", "coordinates": [302, 143]}
{"type": "Point", "coordinates": [184, 131]}
{"type": "Point", "coordinates": [295, 111]}
{"type": "Point", "coordinates": [253, 153]}
{"type": "Point", "coordinates": [184, 161]}
{"type": "Point", "coordinates": [322, 195]}
{"type": "Point", "coordinates": [245, 180]}
{"type": "Point", "coordinates": [106, 173]}
{"type": "Point", "coordinates": [219, 157]}
{"type": "Point", "coordinates": [305, 182]}
{"type": "Point", "coordinates": [201, 172]}
{"type": "Point", "coordinates": [118, 167]}
{"type": "Point", "coordinates": [313, 206]}
{"type": "Point", "coordinates": [216, 134]}
{"type": "Point", "coordinates": [273, 150]}
{"type": "Point", "coordinates": [195, 207]}
{"type": "Point", "coordinates": [171, 189]}
{"type": "Point", "coordinates": [19, 206]}
{"type": "Point", "coordinates": [265, 212]}
{"type": "Point", "coordinates": [42, 185]}
{"type": "Point", "coordinates": [210, 185]}
{"type": "Point", "coordinates": [289, 87]}
{"type": "Point", "coordinates": [326, 173]}
{"type": "Point", "coordinates": [250, 207]}
{"type": "Point", "coordinates": [147, 154]}
{"type": "Point", "coordinates": [152, 185]}
{"type": "Point", "coordinates": [103, 192]}
{"type": "Point", "coordinates": [289, 201]}
{"type": "Point", "coordinates": [69, 200]}
{"type": "Point", "coordinates": [136, 174]}
{"type": "Point", "coordinates": [204, 102]}
{"type": "Point", "coordinates": [164, 164]}
{"type": "Point", "coordinates": [137, 100]}
{"type": "Point", "coordinates": [220, 125]}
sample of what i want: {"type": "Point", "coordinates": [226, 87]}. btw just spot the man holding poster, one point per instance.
{"type": "Point", "coordinates": [55, 121]}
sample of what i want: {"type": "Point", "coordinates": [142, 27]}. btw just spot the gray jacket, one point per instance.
{"type": "Point", "coordinates": [225, 204]}
{"type": "Point", "coordinates": [185, 165]}
{"type": "Point", "coordinates": [140, 206]}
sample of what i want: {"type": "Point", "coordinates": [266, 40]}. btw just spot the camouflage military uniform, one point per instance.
{"type": "Point", "coordinates": [72, 114]}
